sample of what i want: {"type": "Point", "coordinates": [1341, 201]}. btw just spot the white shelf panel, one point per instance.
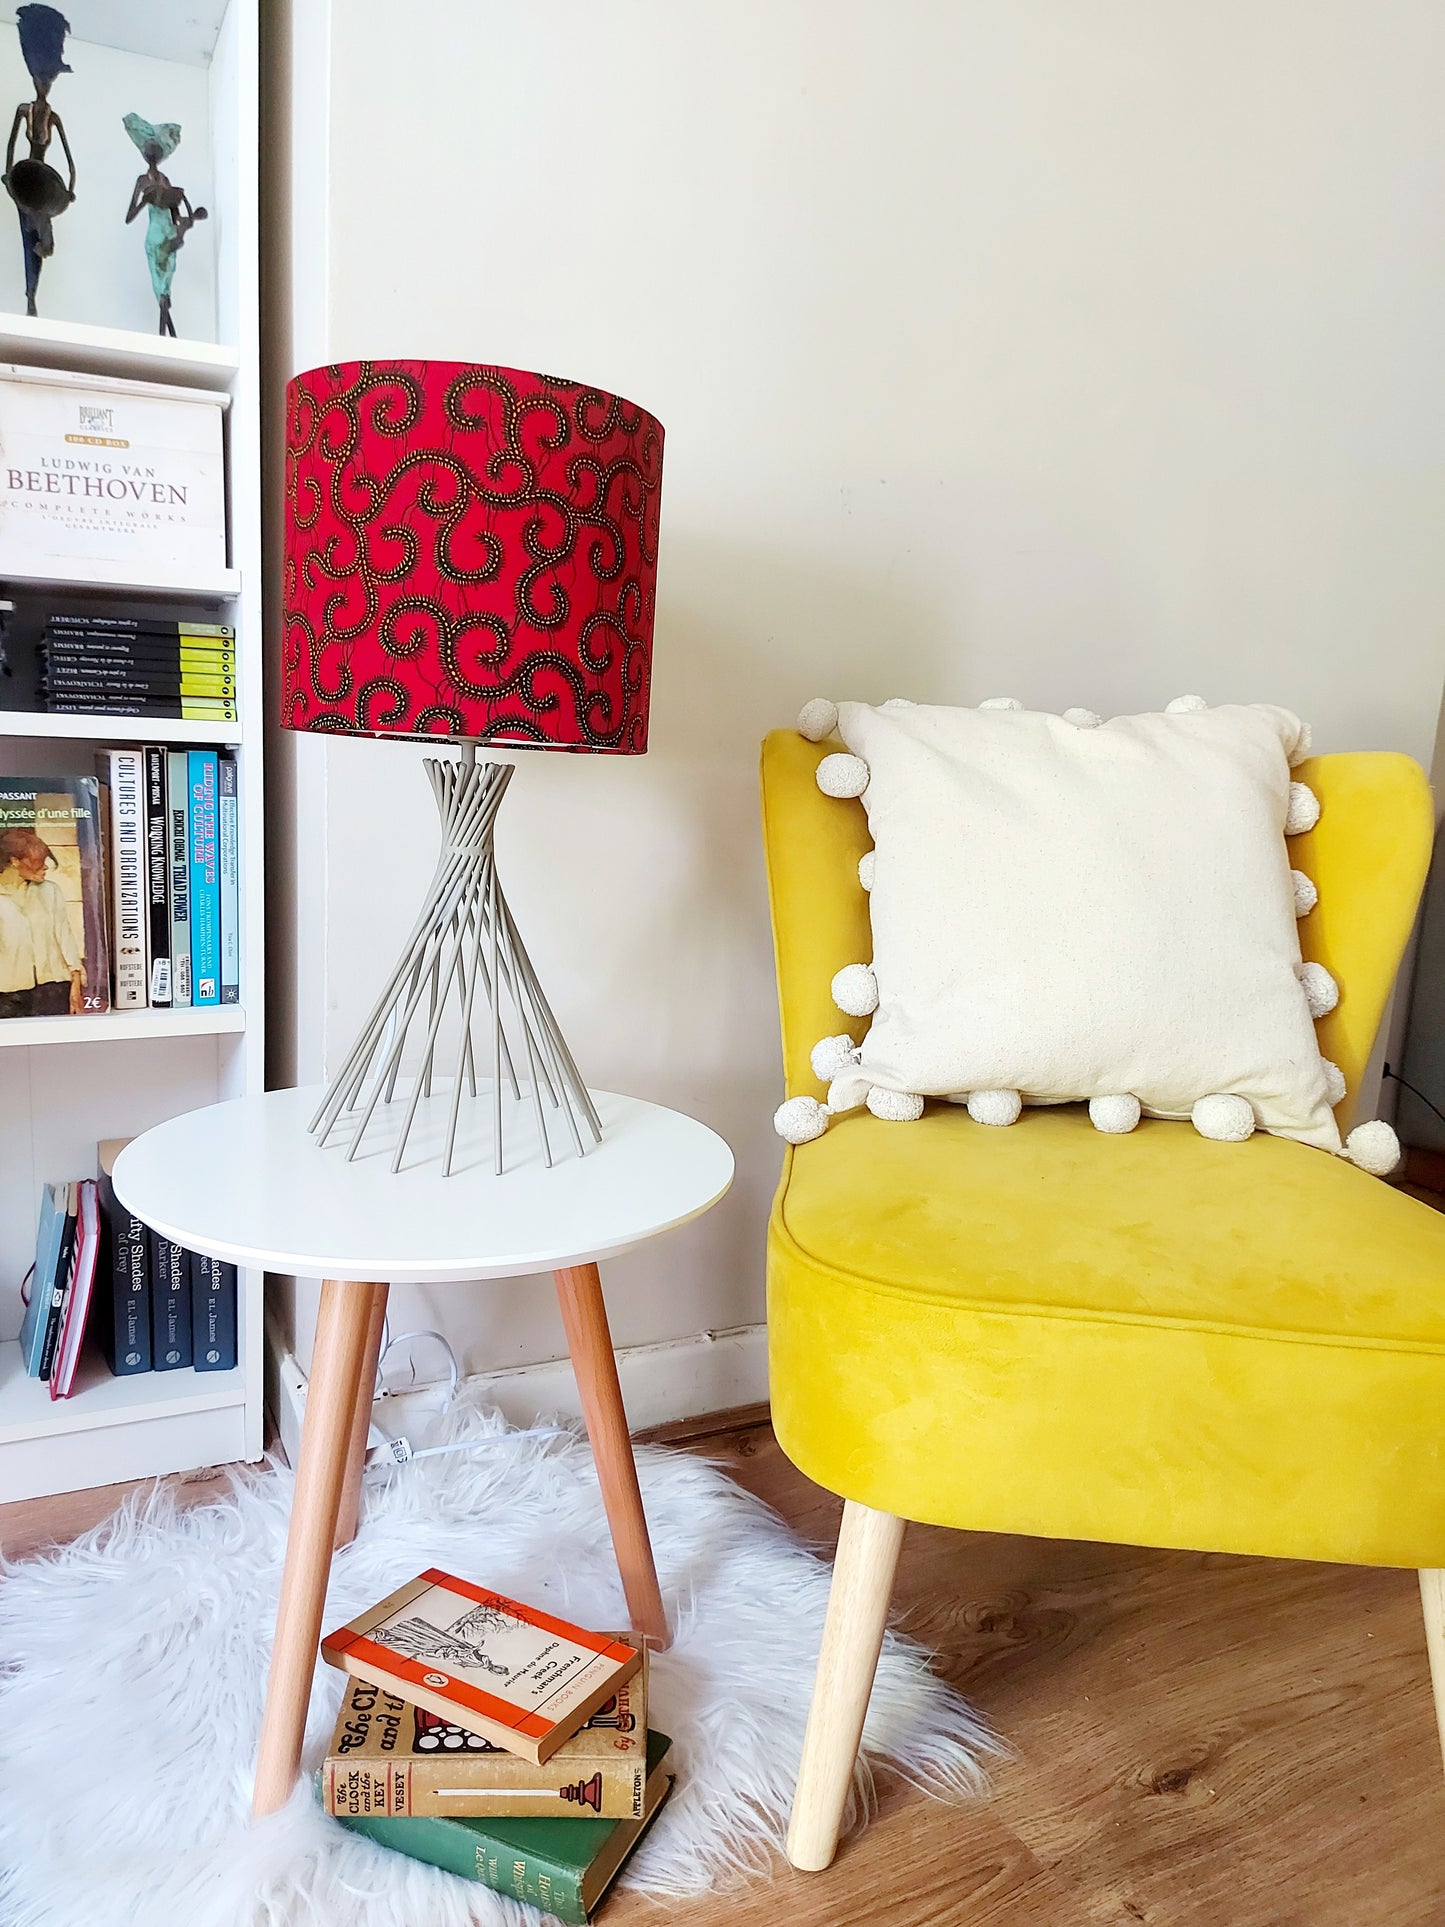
{"type": "Point", "coordinates": [27, 1410]}
{"type": "Point", "coordinates": [222, 585]}
{"type": "Point", "coordinates": [117, 729]}
{"type": "Point", "coordinates": [116, 352]}
{"type": "Point", "coordinates": [121, 1026]}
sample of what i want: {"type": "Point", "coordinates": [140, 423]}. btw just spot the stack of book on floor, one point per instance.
{"type": "Point", "coordinates": [99, 1272]}
{"type": "Point", "coordinates": [95, 665]}
{"type": "Point", "coordinates": [495, 1741]}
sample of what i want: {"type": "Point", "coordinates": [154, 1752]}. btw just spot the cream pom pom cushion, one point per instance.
{"type": "Point", "coordinates": [1071, 910]}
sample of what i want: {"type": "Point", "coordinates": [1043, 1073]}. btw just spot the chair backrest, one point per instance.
{"type": "Point", "coordinates": [1367, 856]}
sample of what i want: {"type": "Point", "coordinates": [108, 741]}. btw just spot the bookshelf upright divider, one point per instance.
{"type": "Point", "coordinates": [66, 1083]}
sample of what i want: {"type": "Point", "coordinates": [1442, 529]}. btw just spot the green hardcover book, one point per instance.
{"type": "Point", "coordinates": [562, 1866]}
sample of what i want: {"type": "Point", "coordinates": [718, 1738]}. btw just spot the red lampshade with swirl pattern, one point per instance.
{"type": "Point", "coordinates": [471, 551]}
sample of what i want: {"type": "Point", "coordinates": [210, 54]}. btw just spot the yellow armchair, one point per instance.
{"type": "Point", "coordinates": [1152, 1339]}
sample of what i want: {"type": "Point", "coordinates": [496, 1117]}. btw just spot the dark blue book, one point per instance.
{"type": "Point", "coordinates": [170, 1304]}
{"type": "Point", "coordinates": [213, 1313]}
{"type": "Point", "coordinates": [205, 878]}
{"type": "Point", "coordinates": [123, 1306]}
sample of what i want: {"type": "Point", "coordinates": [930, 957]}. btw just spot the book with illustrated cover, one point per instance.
{"type": "Point", "coordinates": [519, 1677]}
{"type": "Point", "coordinates": [123, 1315]}
{"type": "Point", "coordinates": [390, 1757]}
{"type": "Point", "coordinates": [564, 1866]}
{"type": "Point", "coordinates": [205, 880]}
{"type": "Point", "coordinates": [122, 779]}
{"type": "Point", "coordinates": [178, 810]}
{"type": "Point", "coordinates": [53, 957]}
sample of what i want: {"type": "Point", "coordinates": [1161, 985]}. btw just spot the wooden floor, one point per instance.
{"type": "Point", "coordinates": [1199, 1739]}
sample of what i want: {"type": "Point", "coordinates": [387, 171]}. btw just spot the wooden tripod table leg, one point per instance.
{"type": "Point", "coordinates": [584, 1318]}
{"type": "Point", "coordinates": [325, 1435]}
{"type": "Point", "coordinates": [350, 1510]}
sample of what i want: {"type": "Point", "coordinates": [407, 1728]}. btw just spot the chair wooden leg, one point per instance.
{"type": "Point", "coordinates": [325, 1434]}
{"type": "Point", "coordinates": [863, 1569]}
{"type": "Point", "coordinates": [584, 1319]}
{"type": "Point", "coordinates": [349, 1512]}
{"type": "Point", "coordinates": [1432, 1598]}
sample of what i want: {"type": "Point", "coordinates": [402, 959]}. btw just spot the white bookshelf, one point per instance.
{"type": "Point", "coordinates": [67, 1082]}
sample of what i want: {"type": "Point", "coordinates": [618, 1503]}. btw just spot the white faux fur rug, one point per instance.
{"type": "Point", "coordinates": [136, 1664]}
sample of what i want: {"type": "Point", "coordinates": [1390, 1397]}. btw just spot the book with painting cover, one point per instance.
{"type": "Point", "coordinates": [53, 956]}
{"type": "Point", "coordinates": [392, 1758]}
{"type": "Point", "coordinates": [519, 1677]}
{"type": "Point", "coordinates": [563, 1866]}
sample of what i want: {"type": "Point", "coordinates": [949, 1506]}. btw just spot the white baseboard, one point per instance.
{"type": "Point", "coordinates": [709, 1371]}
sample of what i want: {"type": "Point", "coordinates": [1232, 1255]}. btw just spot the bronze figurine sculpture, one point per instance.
{"type": "Point", "coordinates": [32, 183]}
{"type": "Point", "coordinates": [171, 216]}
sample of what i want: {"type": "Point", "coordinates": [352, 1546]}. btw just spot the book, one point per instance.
{"type": "Point", "coordinates": [213, 1313]}
{"type": "Point", "coordinates": [563, 1867]}
{"type": "Point", "coordinates": [124, 1313]}
{"type": "Point", "coordinates": [122, 777]}
{"type": "Point", "coordinates": [170, 1273]}
{"type": "Point", "coordinates": [53, 956]}
{"type": "Point", "coordinates": [123, 626]}
{"type": "Point", "coordinates": [48, 1238]}
{"type": "Point", "coordinates": [187, 709]}
{"type": "Point", "coordinates": [178, 809]}
{"type": "Point", "coordinates": [205, 880]}
{"type": "Point", "coordinates": [390, 1757]}
{"type": "Point", "coordinates": [143, 684]}
{"type": "Point", "coordinates": [228, 847]}
{"type": "Point", "coordinates": [75, 1314]}
{"type": "Point", "coordinates": [158, 895]}
{"type": "Point", "coordinates": [54, 1313]}
{"type": "Point", "coordinates": [519, 1677]}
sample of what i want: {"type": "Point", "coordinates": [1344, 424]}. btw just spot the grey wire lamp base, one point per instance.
{"type": "Point", "coordinates": [464, 948]}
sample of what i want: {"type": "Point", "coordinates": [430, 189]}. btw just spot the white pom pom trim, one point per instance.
{"type": "Point", "coordinates": [842, 775]}
{"type": "Point", "coordinates": [1373, 1147]}
{"type": "Point", "coordinates": [895, 1107]}
{"type": "Point", "coordinates": [867, 867]}
{"type": "Point", "coordinates": [899, 702]}
{"type": "Point", "coordinates": [1082, 718]}
{"type": "Point", "coordinates": [855, 990]}
{"type": "Point", "coordinates": [798, 1120]}
{"type": "Point", "coordinates": [1334, 1083]}
{"type": "Point", "coordinates": [1304, 810]}
{"type": "Point", "coordinates": [1185, 706]}
{"type": "Point", "coordinates": [1306, 896]}
{"type": "Point", "coordinates": [832, 1055]}
{"type": "Point", "coordinates": [994, 1107]}
{"type": "Point", "coordinates": [1321, 991]}
{"type": "Point", "coordinates": [1228, 1120]}
{"type": "Point", "coordinates": [1001, 702]}
{"type": "Point", "coordinates": [1114, 1114]}
{"type": "Point", "coordinates": [817, 719]}
{"type": "Point", "coordinates": [1303, 745]}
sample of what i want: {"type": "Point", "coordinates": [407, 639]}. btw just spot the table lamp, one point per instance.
{"type": "Point", "coordinates": [470, 552]}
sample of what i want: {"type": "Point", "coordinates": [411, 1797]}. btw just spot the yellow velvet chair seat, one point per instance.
{"type": "Point", "coordinates": [1148, 1338]}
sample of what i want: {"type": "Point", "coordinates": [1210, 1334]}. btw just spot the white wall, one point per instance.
{"type": "Point", "coordinates": [1086, 351]}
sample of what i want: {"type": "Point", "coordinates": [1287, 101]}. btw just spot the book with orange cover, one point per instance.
{"type": "Point", "coordinates": [521, 1678]}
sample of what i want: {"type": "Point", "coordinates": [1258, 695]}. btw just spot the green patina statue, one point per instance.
{"type": "Point", "coordinates": [171, 216]}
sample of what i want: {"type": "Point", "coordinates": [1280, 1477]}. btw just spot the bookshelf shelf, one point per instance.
{"type": "Point", "coordinates": [116, 352]}
{"type": "Point", "coordinates": [27, 1410]}
{"type": "Point", "coordinates": [116, 729]}
{"type": "Point", "coordinates": [122, 1026]}
{"type": "Point", "coordinates": [222, 585]}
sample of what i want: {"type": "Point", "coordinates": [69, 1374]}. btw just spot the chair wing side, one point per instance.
{"type": "Point", "coordinates": [1367, 856]}
{"type": "Point", "coordinates": [812, 844]}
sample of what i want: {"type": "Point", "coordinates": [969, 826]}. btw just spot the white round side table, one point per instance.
{"type": "Point", "coordinates": [245, 1181]}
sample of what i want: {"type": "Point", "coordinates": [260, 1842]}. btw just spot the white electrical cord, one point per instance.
{"type": "Point", "coordinates": [400, 1449]}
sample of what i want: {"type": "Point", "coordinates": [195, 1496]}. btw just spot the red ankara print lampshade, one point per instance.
{"type": "Point", "coordinates": [470, 551]}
